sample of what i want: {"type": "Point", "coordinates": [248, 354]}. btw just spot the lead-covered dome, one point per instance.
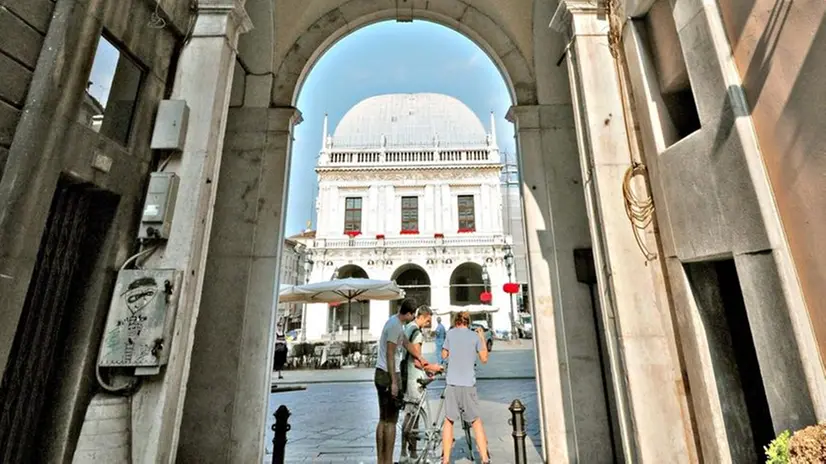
{"type": "Point", "coordinates": [409, 120]}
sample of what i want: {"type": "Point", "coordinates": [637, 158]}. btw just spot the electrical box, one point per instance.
{"type": "Point", "coordinates": [170, 126]}
{"type": "Point", "coordinates": [156, 221]}
{"type": "Point", "coordinates": [138, 329]}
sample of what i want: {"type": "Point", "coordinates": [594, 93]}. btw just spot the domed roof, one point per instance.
{"type": "Point", "coordinates": [409, 120]}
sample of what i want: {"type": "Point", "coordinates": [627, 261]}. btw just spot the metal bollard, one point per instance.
{"type": "Point", "coordinates": [518, 422]}
{"type": "Point", "coordinates": [280, 429]}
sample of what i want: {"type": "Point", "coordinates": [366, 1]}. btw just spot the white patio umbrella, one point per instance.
{"type": "Point", "coordinates": [341, 290]}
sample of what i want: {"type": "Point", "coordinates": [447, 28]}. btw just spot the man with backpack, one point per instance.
{"type": "Point", "coordinates": [411, 370]}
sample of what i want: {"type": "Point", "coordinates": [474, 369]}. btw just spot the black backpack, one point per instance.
{"type": "Point", "coordinates": [405, 359]}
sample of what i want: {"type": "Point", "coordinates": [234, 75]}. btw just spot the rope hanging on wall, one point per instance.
{"type": "Point", "coordinates": [640, 211]}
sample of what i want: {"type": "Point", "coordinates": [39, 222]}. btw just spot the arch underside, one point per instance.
{"type": "Point", "coordinates": [415, 282]}
{"type": "Point", "coordinates": [352, 270]}
{"type": "Point", "coordinates": [459, 15]}
{"type": "Point", "coordinates": [466, 284]}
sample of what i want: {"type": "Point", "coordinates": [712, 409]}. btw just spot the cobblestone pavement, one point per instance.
{"type": "Point", "coordinates": [334, 423]}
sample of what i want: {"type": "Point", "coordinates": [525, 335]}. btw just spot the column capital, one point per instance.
{"type": "Point", "coordinates": [284, 117]}
{"type": "Point", "coordinates": [578, 17]}
{"type": "Point", "coordinates": [522, 114]}
{"type": "Point", "coordinates": [541, 116]}
{"type": "Point", "coordinates": [222, 18]}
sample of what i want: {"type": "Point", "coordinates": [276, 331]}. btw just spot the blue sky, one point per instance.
{"type": "Point", "coordinates": [389, 57]}
{"type": "Point", "coordinates": [103, 71]}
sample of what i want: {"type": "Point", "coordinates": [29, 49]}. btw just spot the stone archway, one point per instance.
{"type": "Point", "coordinates": [460, 15]}
{"type": "Point", "coordinates": [261, 120]}
{"type": "Point", "coordinates": [257, 147]}
{"type": "Point", "coordinates": [466, 284]}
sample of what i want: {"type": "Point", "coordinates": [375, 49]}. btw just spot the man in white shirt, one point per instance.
{"type": "Point", "coordinates": [414, 372]}
{"type": "Point", "coordinates": [392, 345]}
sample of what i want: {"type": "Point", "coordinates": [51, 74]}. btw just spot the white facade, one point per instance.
{"type": "Point", "coordinates": [293, 258]}
{"type": "Point", "coordinates": [429, 152]}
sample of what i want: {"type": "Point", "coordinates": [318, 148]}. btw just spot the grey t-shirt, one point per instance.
{"type": "Point", "coordinates": [463, 345]}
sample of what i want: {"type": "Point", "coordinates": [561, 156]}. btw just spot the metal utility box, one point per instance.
{"type": "Point", "coordinates": [138, 332]}
{"type": "Point", "coordinates": [170, 126]}
{"type": "Point", "coordinates": [156, 221]}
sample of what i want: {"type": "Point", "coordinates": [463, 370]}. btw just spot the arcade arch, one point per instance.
{"type": "Point", "coordinates": [466, 284]}
{"type": "Point", "coordinates": [291, 70]}
{"type": "Point", "coordinates": [262, 107]}
{"type": "Point", "coordinates": [256, 110]}
{"type": "Point", "coordinates": [263, 103]}
{"type": "Point", "coordinates": [353, 316]}
{"type": "Point", "coordinates": [415, 282]}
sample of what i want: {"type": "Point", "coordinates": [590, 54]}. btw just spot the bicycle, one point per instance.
{"type": "Point", "coordinates": [431, 434]}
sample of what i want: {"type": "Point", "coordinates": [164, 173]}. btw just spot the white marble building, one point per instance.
{"type": "Point", "coordinates": [409, 190]}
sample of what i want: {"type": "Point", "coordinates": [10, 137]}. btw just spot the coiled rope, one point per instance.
{"type": "Point", "coordinates": [640, 211]}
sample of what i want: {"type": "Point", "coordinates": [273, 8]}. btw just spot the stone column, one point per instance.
{"type": "Point", "coordinates": [655, 424]}
{"type": "Point", "coordinates": [449, 226]}
{"type": "Point", "coordinates": [234, 342]}
{"type": "Point", "coordinates": [574, 415]}
{"type": "Point", "coordinates": [203, 79]}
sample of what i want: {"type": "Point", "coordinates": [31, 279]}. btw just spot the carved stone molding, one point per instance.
{"type": "Point", "coordinates": [222, 18]}
{"type": "Point", "coordinates": [568, 12]}
{"type": "Point", "coordinates": [479, 175]}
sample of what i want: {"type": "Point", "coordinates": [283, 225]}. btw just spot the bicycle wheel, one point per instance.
{"type": "Point", "coordinates": [466, 426]}
{"type": "Point", "coordinates": [430, 442]}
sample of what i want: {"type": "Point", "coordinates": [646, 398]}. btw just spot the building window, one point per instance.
{"type": "Point", "coordinates": [410, 215]}
{"type": "Point", "coordinates": [467, 215]}
{"type": "Point", "coordinates": [111, 93]}
{"type": "Point", "coordinates": [352, 215]}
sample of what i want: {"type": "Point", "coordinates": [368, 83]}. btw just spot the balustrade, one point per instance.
{"type": "Point", "coordinates": [409, 157]}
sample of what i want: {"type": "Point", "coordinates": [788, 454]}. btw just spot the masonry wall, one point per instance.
{"type": "Point", "coordinates": [46, 53]}
{"type": "Point", "coordinates": [780, 52]}
{"type": "Point", "coordinates": [714, 201]}
{"type": "Point", "coordinates": [105, 433]}
{"type": "Point", "coordinates": [23, 26]}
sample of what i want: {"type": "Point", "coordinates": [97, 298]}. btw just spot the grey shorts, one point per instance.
{"type": "Point", "coordinates": [461, 402]}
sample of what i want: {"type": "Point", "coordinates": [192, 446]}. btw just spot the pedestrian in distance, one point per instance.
{"type": "Point", "coordinates": [392, 345]}
{"type": "Point", "coordinates": [461, 349]}
{"type": "Point", "coordinates": [280, 355]}
{"type": "Point", "coordinates": [440, 333]}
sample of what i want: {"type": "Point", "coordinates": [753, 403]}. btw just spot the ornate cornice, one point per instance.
{"type": "Point", "coordinates": [564, 19]}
